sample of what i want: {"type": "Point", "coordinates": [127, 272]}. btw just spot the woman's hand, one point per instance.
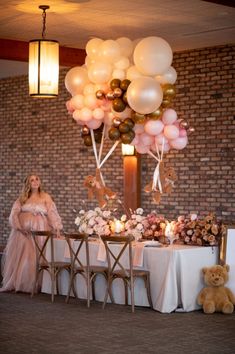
{"type": "Point", "coordinates": [26, 233]}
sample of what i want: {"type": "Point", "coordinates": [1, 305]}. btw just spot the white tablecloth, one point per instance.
{"type": "Point", "coordinates": [175, 276]}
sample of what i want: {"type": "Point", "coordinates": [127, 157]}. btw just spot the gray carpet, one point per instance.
{"type": "Point", "coordinates": [35, 325]}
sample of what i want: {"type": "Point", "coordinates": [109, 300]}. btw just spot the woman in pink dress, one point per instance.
{"type": "Point", "coordinates": [33, 210]}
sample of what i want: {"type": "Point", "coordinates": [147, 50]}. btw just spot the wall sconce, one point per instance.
{"type": "Point", "coordinates": [43, 64]}
{"type": "Point", "coordinates": [128, 150]}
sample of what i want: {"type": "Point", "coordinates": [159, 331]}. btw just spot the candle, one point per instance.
{"type": "Point", "coordinates": [117, 226]}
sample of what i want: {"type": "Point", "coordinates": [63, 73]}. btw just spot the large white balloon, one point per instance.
{"type": "Point", "coordinates": [133, 73]}
{"type": "Point", "coordinates": [153, 56]}
{"type": "Point", "coordinates": [144, 95]}
{"type": "Point", "coordinates": [76, 79]}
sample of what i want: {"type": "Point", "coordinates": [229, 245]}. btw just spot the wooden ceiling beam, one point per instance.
{"type": "Point", "coordinates": [19, 51]}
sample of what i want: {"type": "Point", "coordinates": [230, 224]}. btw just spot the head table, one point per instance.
{"type": "Point", "coordinates": [175, 275]}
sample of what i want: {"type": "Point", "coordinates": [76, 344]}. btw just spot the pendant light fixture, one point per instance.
{"type": "Point", "coordinates": [43, 64]}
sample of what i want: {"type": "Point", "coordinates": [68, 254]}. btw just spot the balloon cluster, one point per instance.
{"type": "Point", "coordinates": [86, 135]}
{"type": "Point", "coordinates": [128, 86]}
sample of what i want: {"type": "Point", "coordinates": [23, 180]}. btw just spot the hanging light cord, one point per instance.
{"type": "Point", "coordinates": [44, 24]}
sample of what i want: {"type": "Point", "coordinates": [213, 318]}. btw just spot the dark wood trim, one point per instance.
{"type": "Point", "coordinates": [131, 180]}
{"type": "Point", "coordinates": [19, 51]}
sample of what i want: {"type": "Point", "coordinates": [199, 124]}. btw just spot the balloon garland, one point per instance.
{"type": "Point", "coordinates": [124, 92]}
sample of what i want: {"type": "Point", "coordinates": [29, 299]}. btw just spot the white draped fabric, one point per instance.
{"type": "Point", "coordinates": [175, 276]}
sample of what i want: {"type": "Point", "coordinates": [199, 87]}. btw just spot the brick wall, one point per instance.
{"type": "Point", "coordinates": [38, 135]}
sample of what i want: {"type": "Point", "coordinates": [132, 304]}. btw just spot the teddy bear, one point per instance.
{"type": "Point", "coordinates": [97, 189]}
{"type": "Point", "coordinates": [216, 297]}
{"type": "Point", "coordinates": [167, 178]}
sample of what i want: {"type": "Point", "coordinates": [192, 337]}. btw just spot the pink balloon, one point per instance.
{"type": "Point", "coordinates": [77, 102]}
{"type": "Point", "coordinates": [136, 140]}
{"type": "Point", "coordinates": [153, 127]}
{"type": "Point", "coordinates": [141, 149]}
{"type": "Point", "coordinates": [182, 132]}
{"type": "Point", "coordinates": [159, 139]}
{"type": "Point", "coordinates": [69, 107]}
{"type": "Point", "coordinates": [139, 128]}
{"type": "Point", "coordinates": [166, 147]}
{"type": "Point", "coordinates": [146, 139]}
{"type": "Point", "coordinates": [179, 143]}
{"type": "Point", "coordinates": [85, 114]}
{"type": "Point", "coordinates": [94, 124]}
{"type": "Point", "coordinates": [169, 116]}
{"type": "Point", "coordinates": [171, 132]}
{"type": "Point", "coordinates": [98, 113]}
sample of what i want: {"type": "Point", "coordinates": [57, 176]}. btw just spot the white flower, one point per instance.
{"type": "Point", "coordinates": [123, 218]}
{"type": "Point", "coordinates": [139, 227]}
{"type": "Point", "coordinates": [139, 211]}
{"type": "Point", "coordinates": [106, 214]}
{"type": "Point", "coordinates": [193, 217]}
{"type": "Point", "coordinates": [139, 218]}
{"type": "Point", "coordinates": [77, 221]}
{"type": "Point", "coordinates": [82, 212]}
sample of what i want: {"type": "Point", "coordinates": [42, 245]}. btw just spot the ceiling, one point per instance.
{"type": "Point", "coordinates": [185, 24]}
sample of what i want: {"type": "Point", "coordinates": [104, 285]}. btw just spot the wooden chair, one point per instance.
{"type": "Point", "coordinates": [81, 265]}
{"type": "Point", "coordinates": [117, 270]}
{"type": "Point", "coordinates": [45, 260]}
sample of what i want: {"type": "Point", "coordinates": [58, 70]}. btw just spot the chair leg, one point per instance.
{"type": "Point", "coordinates": [88, 289]}
{"type": "Point", "coordinates": [92, 281]}
{"type": "Point", "coordinates": [52, 272]}
{"type": "Point", "coordinates": [108, 291]}
{"type": "Point", "coordinates": [71, 285]}
{"type": "Point", "coordinates": [126, 291]}
{"type": "Point", "coordinates": [147, 285]}
{"type": "Point", "coordinates": [132, 295]}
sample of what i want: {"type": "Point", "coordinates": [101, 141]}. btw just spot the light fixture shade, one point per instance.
{"type": "Point", "coordinates": [128, 150]}
{"type": "Point", "coordinates": [43, 68]}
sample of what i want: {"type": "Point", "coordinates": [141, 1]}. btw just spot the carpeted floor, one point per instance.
{"type": "Point", "coordinates": [35, 325]}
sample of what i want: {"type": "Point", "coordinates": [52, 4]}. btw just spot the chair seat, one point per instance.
{"type": "Point", "coordinates": [136, 273]}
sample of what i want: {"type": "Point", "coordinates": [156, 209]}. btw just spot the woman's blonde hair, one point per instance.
{"type": "Point", "coordinates": [26, 190]}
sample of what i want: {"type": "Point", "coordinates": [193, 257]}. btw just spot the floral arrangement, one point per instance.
{"type": "Point", "coordinates": [202, 232]}
{"type": "Point", "coordinates": [136, 224]}
{"type": "Point", "coordinates": [190, 230]}
{"type": "Point", "coordinates": [94, 222]}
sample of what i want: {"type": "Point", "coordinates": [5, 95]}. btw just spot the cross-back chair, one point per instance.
{"type": "Point", "coordinates": [81, 265]}
{"type": "Point", "coordinates": [116, 269]}
{"type": "Point", "coordinates": [44, 246]}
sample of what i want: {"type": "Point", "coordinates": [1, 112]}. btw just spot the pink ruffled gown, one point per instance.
{"type": "Point", "coordinates": [19, 258]}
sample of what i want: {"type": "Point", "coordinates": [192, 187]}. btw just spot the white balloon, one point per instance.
{"type": "Point", "coordinates": [94, 123]}
{"type": "Point", "coordinates": [77, 102]}
{"type": "Point", "coordinates": [90, 101]}
{"type": "Point", "coordinates": [100, 72]}
{"type": "Point", "coordinates": [126, 46]}
{"type": "Point", "coordinates": [123, 63]}
{"type": "Point", "coordinates": [85, 114]}
{"type": "Point", "coordinates": [92, 47]}
{"type": "Point", "coordinates": [110, 51]}
{"type": "Point", "coordinates": [98, 113]}
{"type": "Point", "coordinates": [118, 74]}
{"type": "Point", "coordinates": [76, 79]}
{"type": "Point", "coordinates": [153, 56]}
{"type": "Point", "coordinates": [89, 88]}
{"type": "Point", "coordinates": [153, 127]}
{"type": "Point", "coordinates": [169, 77]}
{"type": "Point", "coordinates": [144, 95]}
{"type": "Point", "coordinates": [133, 73]}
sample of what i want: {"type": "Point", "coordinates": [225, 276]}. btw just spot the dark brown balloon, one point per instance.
{"type": "Point", "coordinates": [130, 122]}
{"type": "Point", "coordinates": [85, 131]}
{"type": "Point", "coordinates": [124, 128]}
{"type": "Point", "coordinates": [100, 94]}
{"type": "Point", "coordinates": [110, 96]}
{"type": "Point", "coordinates": [127, 138]}
{"type": "Point", "coordinates": [184, 124]}
{"type": "Point", "coordinates": [87, 140]}
{"type": "Point", "coordinates": [114, 134]}
{"type": "Point", "coordinates": [117, 92]}
{"type": "Point", "coordinates": [119, 105]}
{"type": "Point", "coordinates": [116, 122]}
{"type": "Point", "coordinates": [124, 84]}
{"type": "Point", "coordinates": [124, 98]}
{"type": "Point", "coordinates": [115, 83]}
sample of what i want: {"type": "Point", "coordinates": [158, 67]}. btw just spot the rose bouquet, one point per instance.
{"type": "Point", "coordinates": [94, 222]}
{"type": "Point", "coordinates": [136, 224]}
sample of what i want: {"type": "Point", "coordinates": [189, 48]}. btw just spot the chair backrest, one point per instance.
{"type": "Point", "coordinates": [75, 252]}
{"type": "Point", "coordinates": [113, 258]}
{"type": "Point", "coordinates": [41, 240]}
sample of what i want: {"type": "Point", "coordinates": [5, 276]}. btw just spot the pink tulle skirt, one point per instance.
{"type": "Point", "coordinates": [19, 258]}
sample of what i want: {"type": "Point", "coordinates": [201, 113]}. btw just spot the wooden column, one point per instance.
{"type": "Point", "coordinates": [132, 185]}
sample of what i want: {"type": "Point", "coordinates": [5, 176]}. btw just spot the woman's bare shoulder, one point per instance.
{"type": "Point", "coordinates": [46, 196]}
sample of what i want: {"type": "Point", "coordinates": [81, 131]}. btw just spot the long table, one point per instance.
{"type": "Point", "coordinates": [175, 276]}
